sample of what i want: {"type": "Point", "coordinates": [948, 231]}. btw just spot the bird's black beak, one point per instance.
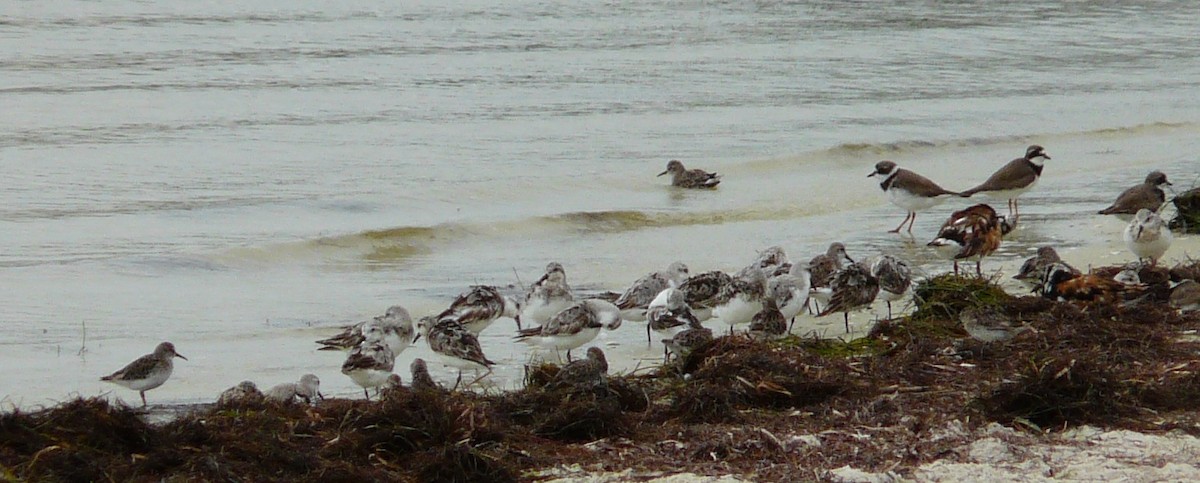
{"type": "Point", "coordinates": [873, 173]}
{"type": "Point", "coordinates": [518, 319]}
{"type": "Point", "coordinates": [180, 356]}
{"type": "Point", "coordinates": [319, 395]}
{"type": "Point", "coordinates": [664, 172]}
{"type": "Point", "coordinates": [417, 338]}
{"type": "Point", "coordinates": [1044, 155]}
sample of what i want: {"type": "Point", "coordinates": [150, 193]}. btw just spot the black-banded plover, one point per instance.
{"type": "Point", "coordinates": [969, 234]}
{"type": "Point", "coordinates": [702, 292]}
{"type": "Point", "coordinates": [1034, 267]}
{"type": "Point", "coordinates": [394, 327]}
{"type": "Point", "coordinates": [476, 309]}
{"type": "Point", "coordinates": [369, 365]}
{"type": "Point", "coordinates": [583, 374]}
{"type": "Point", "coordinates": [547, 296]}
{"type": "Point", "coordinates": [634, 301]}
{"type": "Point", "coordinates": [741, 299]}
{"type": "Point", "coordinates": [573, 327]}
{"type": "Point", "coordinates": [307, 390]}
{"type": "Point", "coordinates": [690, 178]}
{"type": "Point", "coordinates": [909, 191]}
{"type": "Point", "coordinates": [1146, 195]}
{"type": "Point", "coordinates": [852, 288]}
{"type": "Point", "coordinates": [1147, 236]}
{"type": "Point", "coordinates": [668, 314]}
{"type": "Point", "coordinates": [895, 278]}
{"type": "Point", "coordinates": [1013, 180]}
{"type": "Point", "coordinates": [147, 372]}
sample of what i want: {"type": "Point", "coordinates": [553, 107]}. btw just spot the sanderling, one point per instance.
{"type": "Point", "coordinates": [244, 392]}
{"type": "Point", "coordinates": [690, 178]}
{"type": "Point", "coordinates": [684, 342]}
{"type": "Point", "coordinates": [791, 291]}
{"type": "Point", "coordinates": [582, 374]}
{"type": "Point", "coordinates": [768, 323]}
{"type": "Point", "coordinates": [638, 296]}
{"type": "Point", "coordinates": [668, 314]}
{"type": "Point", "coordinates": [455, 346]}
{"type": "Point", "coordinates": [476, 309]}
{"type": "Point", "coordinates": [1185, 296]}
{"type": "Point", "coordinates": [969, 234]}
{"type": "Point", "coordinates": [852, 288]}
{"type": "Point", "coordinates": [895, 277]}
{"type": "Point", "coordinates": [573, 327]}
{"type": "Point", "coordinates": [146, 372]}
{"type": "Point", "coordinates": [823, 267]}
{"type": "Point", "coordinates": [1060, 283]}
{"type": "Point", "coordinates": [547, 296]}
{"type": "Point", "coordinates": [772, 261]}
{"type": "Point", "coordinates": [369, 365]}
{"type": "Point", "coordinates": [740, 300]}
{"type": "Point", "coordinates": [909, 190]}
{"type": "Point", "coordinates": [395, 328]}
{"type": "Point", "coordinates": [988, 324]}
{"type": "Point", "coordinates": [1146, 195]}
{"type": "Point", "coordinates": [1013, 180]}
{"type": "Point", "coordinates": [421, 380]}
{"type": "Point", "coordinates": [308, 390]}
{"type": "Point", "coordinates": [1034, 268]}
{"type": "Point", "coordinates": [1147, 236]}
{"type": "Point", "coordinates": [702, 292]}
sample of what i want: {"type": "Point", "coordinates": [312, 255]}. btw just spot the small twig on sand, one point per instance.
{"type": "Point", "coordinates": [83, 345]}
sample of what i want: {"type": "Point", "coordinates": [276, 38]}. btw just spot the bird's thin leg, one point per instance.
{"type": "Point", "coordinates": [143, 393]}
{"type": "Point", "coordinates": [366, 394]}
{"type": "Point", "coordinates": [912, 222]}
{"type": "Point", "coordinates": [889, 304]}
{"type": "Point", "coordinates": [568, 355]}
{"type": "Point", "coordinates": [648, 343]}
{"type": "Point", "coordinates": [792, 324]}
{"type": "Point", "coordinates": [846, 316]}
{"type": "Point", "coordinates": [978, 271]}
{"type": "Point", "coordinates": [906, 217]}
{"type": "Point", "coordinates": [457, 381]}
{"type": "Point", "coordinates": [956, 268]}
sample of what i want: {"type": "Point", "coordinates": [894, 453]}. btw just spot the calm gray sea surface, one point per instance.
{"type": "Point", "coordinates": [241, 177]}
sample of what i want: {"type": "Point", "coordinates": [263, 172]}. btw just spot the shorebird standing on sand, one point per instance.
{"type": "Point", "coordinates": [852, 288]}
{"type": "Point", "coordinates": [369, 365]}
{"type": "Point", "coordinates": [636, 299]}
{"type": "Point", "coordinates": [909, 190]}
{"type": "Point", "coordinates": [702, 292]}
{"type": "Point", "coordinates": [895, 277]}
{"type": "Point", "coordinates": [455, 346]}
{"type": "Point", "coordinates": [1147, 236]}
{"type": "Point", "coordinates": [573, 327]}
{"type": "Point", "coordinates": [395, 328]}
{"type": "Point", "coordinates": [970, 234]}
{"type": "Point", "coordinates": [547, 296]}
{"type": "Point", "coordinates": [1013, 180]}
{"type": "Point", "coordinates": [668, 314]}
{"type": "Point", "coordinates": [822, 268]}
{"type": "Point", "coordinates": [476, 309]}
{"type": "Point", "coordinates": [146, 372]}
{"type": "Point", "coordinates": [1034, 268]}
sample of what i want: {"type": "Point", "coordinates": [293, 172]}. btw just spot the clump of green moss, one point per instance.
{"type": "Point", "coordinates": [946, 296]}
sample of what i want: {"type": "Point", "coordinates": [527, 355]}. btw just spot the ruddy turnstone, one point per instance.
{"type": "Point", "coordinates": [969, 234]}
{"type": "Point", "coordinates": [1185, 296]}
{"type": "Point", "coordinates": [690, 178]}
{"type": "Point", "coordinates": [1060, 283]}
{"type": "Point", "coordinates": [455, 346]}
{"type": "Point", "coordinates": [1034, 268]}
{"type": "Point", "coordinates": [684, 342]}
{"type": "Point", "coordinates": [583, 374]}
{"type": "Point", "coordinates": [668, 314]}
{"type": "Point", "coordinates": [1014, 179]}
{"type": "Point", "coordinates": [852, 288]}
{"type": "Point", "coordinates": [768, 323]}
{"type": "Point", "coordinates": [307, 390]}
{"type": "Point", "coordinates": [369, 365]}
{"type": "Point", "coordinates": [1147, 236]}
{"type": "Point", "coordinates": [476, 309]}
{"type": "Point", "coordinates": [702, 292]}
{"type": "Point", "coordinates": [421, 380]}
{"type": "Point", "coordinates": [575, 326]}
{"type": "Point", "coordinates": [790, 291]}
{"type": "Point", "coordinates": [909, 190]}
{"type": "Point", "coordinates": [823, 267]}
{"type": "Point", "coordinates": [895, 277]}
{"type": "Point", "coordinates": [244, 392]}
{"type": "Point", "coordinates": [637, 297]}
{"type": "Point", "coordinates": [1146, 195]}
{"type": "Point", "coordinates": [395, 328]}
{"type": "Point", "coordinates": [547, 296]}
{"type": "Point", "coordinates": [740, 300]}
{"type": "Point", "coordinates": [146, 372]}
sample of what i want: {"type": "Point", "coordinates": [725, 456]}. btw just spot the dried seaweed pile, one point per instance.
{"type": "Point", "coordinates": [787, 409]}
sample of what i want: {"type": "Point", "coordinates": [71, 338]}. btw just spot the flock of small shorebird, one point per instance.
{"type": "Point", "coordinates": [766, 294]}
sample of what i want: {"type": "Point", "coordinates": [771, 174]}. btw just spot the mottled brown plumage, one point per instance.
{"type": "Point", "coordinates": [690, 178]}
{"type": "Point", "coordinates": [1146, 195]}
